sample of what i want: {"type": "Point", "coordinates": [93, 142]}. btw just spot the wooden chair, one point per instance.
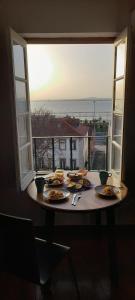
{"type": "Point", "coordinates": [27, 257]}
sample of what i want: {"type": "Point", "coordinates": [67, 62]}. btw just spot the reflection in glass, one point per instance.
{"type": "Point", "coordinates": [18, 54]}
{"type": "Point", "coordinates": [25, 159]}
{"type": "Point", "coordinates": [117, 128]}
{"type": "Point", "coordinates": [23, 129]}
{"type": "Point", "coordinates": [119, 96]}
{"type": "Point", "coordinates": [116, 158]}
{"type": "Point", "coordinates": [120, 59]}
{"type": "Point", "coordinates": [21, 102]}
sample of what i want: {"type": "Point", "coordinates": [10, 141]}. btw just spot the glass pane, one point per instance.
{"type": "Point", "coordinates": [117, 128]}
{"type": "Point", "coordinates": [98, 153]}
{"type": "Point", "coordinates": [21, 101]}
{"type": "Point", "coordinates": [119, 96]}
{"type": "Point", "coordinates": [25, 159]}
{"type": "Point", "coordinates": [116, 159]}
{"type": "Point", "coordinates": [42, 153]}
{"type": "Point", "coordinates": [18, 54]}
{"type": "Point", "coordinates": [120, 59]}
{"type": "Point", "coordinates": [23, 129]}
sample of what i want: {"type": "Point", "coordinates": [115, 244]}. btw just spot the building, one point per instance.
{"type": "Point", "coordinates": [64, 131]}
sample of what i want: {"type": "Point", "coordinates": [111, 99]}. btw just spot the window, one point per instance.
{"type": "Point", "coordinates": [24, 159]}
{"type": "Point", "coordinates": [118, 106]}
{"type": "Point", "coordinates": [62, 163]}
{"type": "Point", "coordinates": [62, 144]}
{"type": "Point", "coordinates": [23, 112]}
{"type": "Point", "coordinates": [73, 144]}
{"type": "Point", "coordinates": [74, 164]}
{"type": "Point", "coordinates": [49, 163]}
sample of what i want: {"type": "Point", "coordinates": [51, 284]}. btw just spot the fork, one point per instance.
{"type": "Point", "coordinates": [76, 198]}
{"type": "Point", "coordinates": [73, 198]}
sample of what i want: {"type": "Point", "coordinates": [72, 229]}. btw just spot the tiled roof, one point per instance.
{"type": "Point", "coordinates": [58, 127]}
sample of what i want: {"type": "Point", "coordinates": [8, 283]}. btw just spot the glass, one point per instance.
{"type": "Point", "coordinates": [21, 101]}
{"type": "Point", "coordinates": [18, 54]}
{"type": "Point", "coordinates": [119, 96]}
{"type": "Point", "coordinates": [23, 129]}
{"type": "Point", "coordinates": [117, 128]}
{"type": "Point", "coordinates": [25, 159]}
{"type": "Point", "coordinates": [116, 159]}
{"type": "Point", "coordinates": [62, 144]}
{"type": "Point", "coordinates": [98, 153]}
{"type": "Point", "coordinates": [120, 59]}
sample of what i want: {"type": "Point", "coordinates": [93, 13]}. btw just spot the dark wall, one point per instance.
{"type": "Point", "coordinates": [66, 16]}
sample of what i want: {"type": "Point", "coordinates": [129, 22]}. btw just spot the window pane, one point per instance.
{"type": "Point", "coordinates": [21, 101]}
{"type": "Point", "coordinates": [73, 144]}
{"type": "Point", "coordinates": [116, 159]}
{"type": "Point", "coordinates": [62, 144]}
{"type": "Point", "coordinates": [62, 163]}
{"type": "Point", "coordinates": [23, 129]}
{"type": "Point", "coordinates": [119, 96]}
{"type": "Point", "coordinates": [117, 128]}
{"type": "Point", "coordinates": [120, 59]}
{"type": "Point", "coordinates": [25, 159]}
{"type": "Point", "coordinates": [18, 54]}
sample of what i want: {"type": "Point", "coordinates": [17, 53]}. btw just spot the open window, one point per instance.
{"type": "Point", "coordinates": [23, 144]}
{"type": "Point", "coordinates": [24, 157]}
{"type": "Point", "coordinates": [121, 47]}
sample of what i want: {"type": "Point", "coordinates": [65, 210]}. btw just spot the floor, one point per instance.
{"type": "Point", "coordinates": [91, 263]}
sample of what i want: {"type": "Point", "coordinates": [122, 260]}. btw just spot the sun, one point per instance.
{"type": "Point", "coordinates": [40, 67]}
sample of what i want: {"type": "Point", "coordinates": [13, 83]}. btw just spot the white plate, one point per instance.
{"type": "Point", "coordinates": [100, 191]}
{"type": "Point", "coordinates": [64, 197]}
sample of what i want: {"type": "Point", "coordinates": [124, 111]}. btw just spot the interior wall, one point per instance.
{"type": "Point", "coordinates": [48, 16]}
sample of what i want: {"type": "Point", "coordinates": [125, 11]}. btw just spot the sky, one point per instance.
{"type": "Point", "coordinates": [70, 71]}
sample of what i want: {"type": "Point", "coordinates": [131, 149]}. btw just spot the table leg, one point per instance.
{"type": "Point", "coordinates": [98, 217]}
{"type": "Point", "coordinates": [49, 225]}
{"type": "Point", "coordinates": [112, 249]}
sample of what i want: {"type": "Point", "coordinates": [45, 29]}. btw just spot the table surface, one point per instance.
{"type": "Point", "coordinates": [89, 200]}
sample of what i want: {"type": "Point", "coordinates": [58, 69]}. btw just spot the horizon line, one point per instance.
{"type": "Point", "coordinates": [75, 99]}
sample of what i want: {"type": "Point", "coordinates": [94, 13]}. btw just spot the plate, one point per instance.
{"type": "Point", "coordinates": [63, 198]}
{"type": "Point", "coordinates": [74, 176]}
{"type": "Point", "coordinates": [54, 185]}
{"type": "Point", "coordinates": [100, 191]}
{"type": "Point", "coordinates": [50, 181]}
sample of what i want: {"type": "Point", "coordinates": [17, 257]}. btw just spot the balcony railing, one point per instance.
{"type": "Point", "coordinates": [71, 152]}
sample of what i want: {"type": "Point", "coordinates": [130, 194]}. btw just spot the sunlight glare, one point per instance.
{"type": "Point", "coordinates": [41, 71]}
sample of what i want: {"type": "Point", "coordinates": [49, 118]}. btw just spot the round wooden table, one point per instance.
{"type": "Point", "coordinates": [89, 202]}
{"type": "Point", "coordinates": [89, 199]}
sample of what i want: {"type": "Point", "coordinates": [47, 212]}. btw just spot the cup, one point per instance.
{"type": "Point", "coordinates": [103, 175]}
{"type": "Point", "coordinates": [39, 181]}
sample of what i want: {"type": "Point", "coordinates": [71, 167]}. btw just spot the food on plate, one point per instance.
{"type": "Point", "coordinates": [86, 183]}
{"type": "Point", "coordinates": [82, 172]}
{"type": "Point", "coordinates": [74, 175]}
{"type": "Point", "coordinates": [108, 190]}
{"type": "Point", "coordinates": [55, 195]}
{"type": "Point", "coordinates": [71, 185]}
{"type": "Point", "coordinates": [54, 180]}
{"type": "Point", "coordinates": [74, 186]}
{"type": "Point", "coordinates": [82, 183]}
{"type": "Point", "coordinates": [59, 171]}
{"type": "Point", "coordinates": [78, 186]}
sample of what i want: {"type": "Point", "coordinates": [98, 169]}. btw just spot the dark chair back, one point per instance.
{"type": "Point", "coordinates": [17, 248]}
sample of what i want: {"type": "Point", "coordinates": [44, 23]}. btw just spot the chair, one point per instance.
{"type": "Point", "coordinates": [27, 257]}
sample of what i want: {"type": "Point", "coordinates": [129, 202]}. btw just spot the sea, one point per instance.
{"type": "Point", "coordinates": [90, 108]}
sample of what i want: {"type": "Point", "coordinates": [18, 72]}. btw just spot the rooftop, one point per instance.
{"type": "Point", "coordinates": [58, 127]}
